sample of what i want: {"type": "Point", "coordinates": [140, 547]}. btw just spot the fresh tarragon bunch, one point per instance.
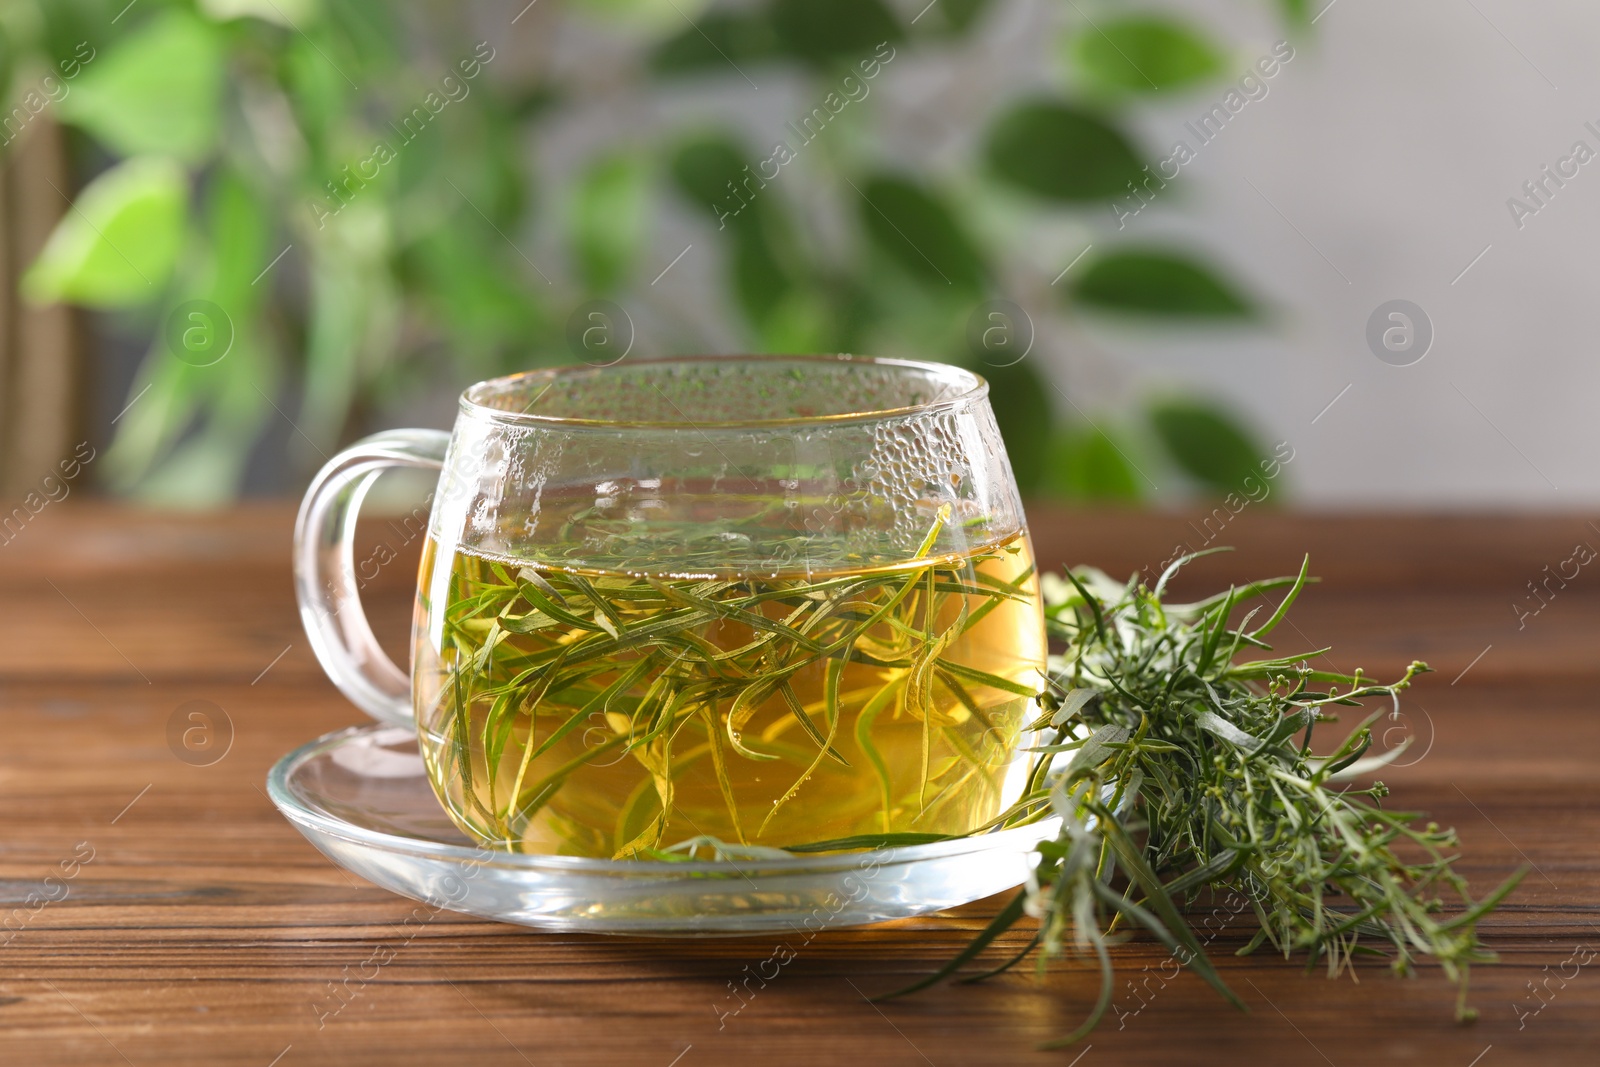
{"type": "Point", "coordinates": [1178, 767]}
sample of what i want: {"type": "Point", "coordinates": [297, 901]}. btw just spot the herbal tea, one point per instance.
{"type": "Point", "coordinates": [612, 713]}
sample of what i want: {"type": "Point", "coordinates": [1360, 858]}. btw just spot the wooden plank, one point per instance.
{"type": "Point", "coordinates": [204, 930]}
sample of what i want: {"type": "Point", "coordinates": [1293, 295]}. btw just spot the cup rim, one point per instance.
{"type": "Point", "coordinates": [967, 387]}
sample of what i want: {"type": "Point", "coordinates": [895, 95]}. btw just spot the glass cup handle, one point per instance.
{"type": "Point", "coordinates": [325, 574]}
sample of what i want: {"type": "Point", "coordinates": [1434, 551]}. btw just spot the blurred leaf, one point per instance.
{"type": "Point", "coordinates": [1021, 402]}
{"type": "Point", "coordinates": [1056, 151]}
{"type": "Point", "coordinates": [895, 312]}
{"type": "Point", "coordinates": [853, 312]}
{"type": "Point", "coordinates": [498, 147]}
{"type": "Point", "coordinates": [822, 32]}
{"type": "Point", "coordinates": [482, 158]}
{"type": "Point", "coordinates": [716, 44]}
{"type": "Point", "coordinates": [342, 310]}
{"type": "Point", "coordinates": [702, 169]}
{"type": "Point", "coordinates": [187, 441]}
{"type": "Point", "coordinates": [370, 38]}
{"type": "Point", "coordinates": [1158, 283]}
{"type": "Point", "coordinates": [762, 249]}
{"type": "Point", "coordinates": [649, 14]}
{"type": "Point", "coordinates": [762, 280]}
{"type": "Point", "coordinates": [169, 393]}
{"type": "Point", "coordinates": [64, 26]}
{"type": "Point", "coordinates": [1087, 464]}
{"type": "Point", "coordinates": [1144, 54]}
{"type": "Point", "coordinates": [318, 95]}
{"type": "Point", "coordinates": [158, 90]}
{"type": "Point", "coordinates": [489, 315]}
{"type": "Point", "coordinates": [241, 231]}
{"type": "Point", "coordinates": [117, 246]}
{"type": "Point", "coordinates": [533, 102]}
{"type": "Point", "coordinates": [213, 408]}
{"type": "Point", "coordinates": [919, 233]}
{"type": "Point", "coordinates": [607, 220]}
{"type": "Point", "coordinates": [8, 67]}
{"type": "Point", "coordinates": [1296, 13]}
{"type": "Point", "coordinates": [475, 286]}
{"type": "Point", "coordinates": [355, 310]}
{"type": "Point", "coordinates": [959, 15]}
{"type": "Point", "coordinates": [205, 468]}
{"type": "Point", "coordinates": [289, 13]}
{"type": "Point", "coordinates": [1207, 443]}
{"type": "Point", "coordinates": [801, 321]}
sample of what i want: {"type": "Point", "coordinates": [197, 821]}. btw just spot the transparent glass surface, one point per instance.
{"type": "Point", "coordinates": [698, 605]}
{"type": "Point", "coordinates": [773, 602]}
{"type": "Point", "coordinates": [362, 797]}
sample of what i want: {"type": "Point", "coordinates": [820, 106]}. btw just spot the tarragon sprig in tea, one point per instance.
{"type": "Point", "coordinates": [1176, 767]}
{"type": "Point", "coordinates": [591, 710]}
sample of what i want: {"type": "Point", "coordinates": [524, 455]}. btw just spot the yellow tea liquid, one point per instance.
{"type": "Point", "coordinates": [604, 713]}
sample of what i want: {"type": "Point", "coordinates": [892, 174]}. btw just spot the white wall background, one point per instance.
{"type": "Point", "coordinates": [1390, 146]}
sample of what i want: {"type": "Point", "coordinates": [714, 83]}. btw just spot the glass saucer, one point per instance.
{"type": "Point", "coordinates": [362, 797]}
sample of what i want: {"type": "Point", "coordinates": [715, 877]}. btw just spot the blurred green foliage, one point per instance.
{"type": "Point", "coordinates": [1166, 284]}
{"type": "Point", "coordinates": [1143, 53]}
{"type": "Point", "coordinates": [1058, 151]}
{"type": "Point", "coordinates": [1207, 445]}
{"type": "Point", "coordinates": [344, 191]}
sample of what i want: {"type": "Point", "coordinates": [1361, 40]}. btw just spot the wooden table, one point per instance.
{"type": "Point", "coordinates": [175, 918]}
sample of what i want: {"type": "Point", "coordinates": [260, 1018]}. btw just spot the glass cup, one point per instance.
{"type": "Point", "coordinates": [672, 607]}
